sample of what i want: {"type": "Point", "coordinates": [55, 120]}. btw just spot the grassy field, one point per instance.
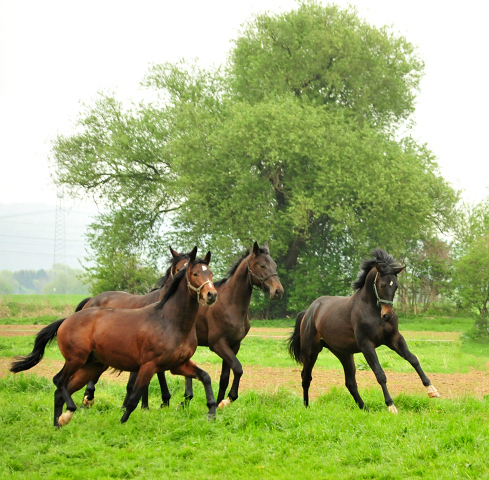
{"type": "Point", "coordinates": [259, 436]}
{"type": "Point", "coordinates": [263, 434]}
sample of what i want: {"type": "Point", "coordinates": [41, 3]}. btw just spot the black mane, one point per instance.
{"type": "Point", "coordinates": [173, 287]}
{"type": "Point", "coordinates": [380, 256]}
{"type": "Point", "coordinates": [235, 266]}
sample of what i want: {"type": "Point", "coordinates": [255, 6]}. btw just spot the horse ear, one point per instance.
{"type": "Point", "coordinates": [207, 258]}
{"type": "Point", "coordinates": [265, 247]}
{"type": "Point", "coordinates": [174, 253]}
{"type": "Point", "coordinates": [193, 254]}
{"type": "Point", "coordinates": [256, 249]}
{"type": "Point", "coordinates": [380, 266]}
{"type": "Point", "coordinates": [399, 270]}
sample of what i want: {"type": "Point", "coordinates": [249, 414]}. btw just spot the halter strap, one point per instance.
{"type": "Point", "coordinates": [191, 287]}
{"type": "Point", "coordinates": [380, 300]}
{"type": "Point", "coordinates": [261, 279]}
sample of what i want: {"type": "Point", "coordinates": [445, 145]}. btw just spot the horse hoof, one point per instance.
{"type": "Point", "coordinates": [392, 409]}
{"type": "Point", "coordinates": [225, 403]}
{"type": "Point", "coordinates": [65, 418]}
{"type": "Point", "coordinates": [87, 402]}
{"type": "Point", "coordinates": [433, 392]}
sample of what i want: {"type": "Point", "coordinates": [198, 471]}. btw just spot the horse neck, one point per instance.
{"type": "Point", "coordinates": [368, 293]}
{"type": "Point", "coordinates": [238, 286]}
{"type": "Point", "coordinates": [181, 308]}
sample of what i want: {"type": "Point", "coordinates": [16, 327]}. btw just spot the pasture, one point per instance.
{"type": "Point", "coordinates": [266, 433]}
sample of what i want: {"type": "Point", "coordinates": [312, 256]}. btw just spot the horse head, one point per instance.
{"type": "Point", "coordinates": [263, 271]}
{"type": "Point", "coordinates": [199, 279]}
{"type": "Point", "coordinates": [385, 286]}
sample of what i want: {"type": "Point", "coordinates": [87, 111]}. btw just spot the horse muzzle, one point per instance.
{"type": "Point", "coordinates": [276, 292]}
{"type": "Point", "coordinates": [209, 297]}
{"type": "Point", "coordinates": [386, 312]}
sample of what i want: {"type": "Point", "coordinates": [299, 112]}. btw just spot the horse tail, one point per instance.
{"type": "Point", "coordinates": [82, 304]}
{"type": "Point", "coordinates": [43, 339]}
{"type": "Point", "coordinates": [294, 340]}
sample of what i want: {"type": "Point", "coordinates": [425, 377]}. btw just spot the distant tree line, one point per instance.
{"type": "Point", "coordinates": [60, 279]}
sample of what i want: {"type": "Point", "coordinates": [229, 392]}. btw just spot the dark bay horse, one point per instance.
{"type": "Point", "coordinates": [147, 340]}
{"type": "Point", "coordinates": [225, 324]}
{"type": "Point", "coordinates": [126, 300]}
{"type": "Point", "coordinates": [360, 323]}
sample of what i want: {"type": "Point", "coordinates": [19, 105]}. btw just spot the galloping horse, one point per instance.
{"type": "Point", "coordinates": [147, 340]}
{"type": "Point", "coordinates": [360, 323]}
{"type": "Point", "coordinates": [127, 300]}
{"type": "Point", "coordinates": [223, 326]}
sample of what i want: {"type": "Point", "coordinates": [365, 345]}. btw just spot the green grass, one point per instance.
{"type": "Point", "coordinates": [259, 436]}
{"type": "Point", "coordinates": [435, 356]}
{"type": "Point", "coordinates": [36, 309]}
{"type": "Point", "coordinates": [419, 323]}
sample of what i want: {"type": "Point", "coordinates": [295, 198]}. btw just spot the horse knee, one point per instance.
{"type": "Point", "coordinates": [238, 372]}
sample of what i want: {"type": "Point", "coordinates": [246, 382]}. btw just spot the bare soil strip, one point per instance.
{"type": "Point", "coordinates": [270, 380]}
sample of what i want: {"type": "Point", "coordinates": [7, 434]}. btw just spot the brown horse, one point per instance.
{"type": "Point", "coordinates": [223, 326]}
{"type": "Point", "coordinates": [360, 323]}
{"type": "Point", "coordinates": [147, 340]}
{"type": "Point", "coordinates": [127, 300]}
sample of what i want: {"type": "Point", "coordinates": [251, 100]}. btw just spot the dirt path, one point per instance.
{"type": "Point", "coordinates": [269, 379]}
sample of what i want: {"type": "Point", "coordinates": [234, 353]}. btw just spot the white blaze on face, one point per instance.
{"type": "Point", "coordinates": [204, 268]}
{"type": "Point", "coordinates": [391, 283]}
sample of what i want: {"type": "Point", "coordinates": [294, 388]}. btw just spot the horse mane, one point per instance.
{"type": "Point", "coordinates": [173, 287]}
{"type": "Point", "coordinates": [235, 266]}
{"type": "Point", "coordinates": [380, 256]}
{"type": "Point", "coordinates": [173, 261]}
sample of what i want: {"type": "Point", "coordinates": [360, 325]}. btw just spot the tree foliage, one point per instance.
{"type": "Point", "coordinates": [472, 275]}
{"type": "Point", "coordinates": [294, 142]}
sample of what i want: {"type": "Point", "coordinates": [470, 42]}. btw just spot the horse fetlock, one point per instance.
{"type": "Point", "coordinates": [433, 392]}
{"type": "Point", "coordinates": [392, 409]}
{"type": "Point", "coordinates": [87, 402]}
{"type": "Point", "coordinates": [225, 403]}
{"type": "Point", "coordinates": [65, 418]}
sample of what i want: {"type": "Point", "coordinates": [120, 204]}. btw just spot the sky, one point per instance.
{"type": "Point", "coordinates": [56, 54]}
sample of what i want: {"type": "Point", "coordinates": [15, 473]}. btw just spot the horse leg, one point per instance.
{"type": "Point", "coordinates": [88, 396]}
{"type": "Point", "coordinates": [165, 392]}
{"type": "Point", "coordinates": [223, 384]}
{"type": "Point", "coordinates": [368, 350]}
{"type": "Point", "coordinates": [399, 345]}
{"type": "Point", "coordinates": [62, 394]}
{"type": "Point", "coordinates": [189, 369]}
{"type": "Point", "coordinates": [306, 376]}
{"type": "Point", "coordinates": [348, 362]}
{"type": "Point", "coordinates": [229, 362]}
{"type": "Point", "coordinates": [129, 388]}
{"type": "Point", "coordinates": [144, 376]}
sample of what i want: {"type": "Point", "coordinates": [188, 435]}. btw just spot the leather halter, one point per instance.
{"type": "Point", "coordinates": [380, 300]}
{"type": "Point", "coordinates": [191, 287]}
{"type": "Point", "coordinates": [261, 279]}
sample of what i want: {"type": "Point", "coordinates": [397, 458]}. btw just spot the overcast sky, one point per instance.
{"type": "Point", "coordinates": [56, 53]}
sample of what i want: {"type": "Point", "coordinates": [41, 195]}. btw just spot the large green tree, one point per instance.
{"type": "Point", "coordinates": [295, 141]}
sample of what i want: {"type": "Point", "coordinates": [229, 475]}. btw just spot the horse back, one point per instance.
{"type": "Point", "coordinates": [122, 300]}
{"type": "Point", "coordinates": [331, 318]}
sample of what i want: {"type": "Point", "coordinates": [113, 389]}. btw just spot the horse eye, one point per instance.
{"type": "Point", "coordinates": [195, 274]}
{"type": "Point", "coordinates": [263, 266]}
